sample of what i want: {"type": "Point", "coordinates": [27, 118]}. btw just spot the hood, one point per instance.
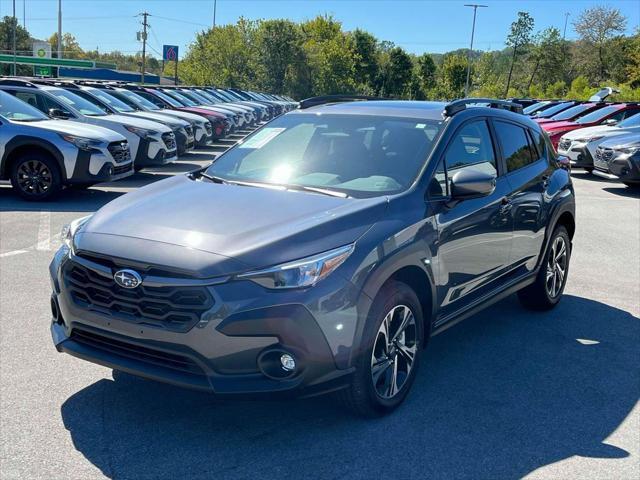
{"type": "Point", "coordinates": [188, 117]}
{"type": "Point", "coordinates": [591, 132]}
{"type": "Point", "coordinates": [559, 125]}
{"type": "Point", "coordinates": [625, 140]}
{"type": "Point", "coordinates": [235, 227]}
{"type": "Point", "coordinates": [135, 122]}
{"type": "Point", "coordinates": [159, 117]}
{"type": "Point", "coordinates": [79, 129]}
{"type": "Point", "coordinates": [202, 111]}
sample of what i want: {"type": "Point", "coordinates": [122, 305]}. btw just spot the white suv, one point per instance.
{"type": "Point", "coordinates": [40, 155]}
{"type": "Point", "coordinates": [151, 143]}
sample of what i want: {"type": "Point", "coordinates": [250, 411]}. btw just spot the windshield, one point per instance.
{"type": "Point", "coordinates": [572, 112]}
{"type": "Point", "coordinates": [598, 114]}
{"type": "Point", "coordinates": [19, 111]}
{"type": "Point", "coordinates": [534, 107]}
{"type": "Point", "coordinates": [111, 101]}
{"type": "Point", "coordinates": [200, 100]}
{"type": "Point", "coordinates": [85, 107]}
{"type": "Point", "coordinates": [225, 96]}
{"type": "Point", "coordinates": [549, 112]}
{"type": "Point", "coordinates": [167, 98]}
{"type": "Point", "coordinates": [206, 95]}
{"type": "Point", "coordinates": [181, 98]}
{"type": "Point", "coordinates": [633, 121]}
{"type": "Point", "coordinates": [137, 100]}
{"type": "Point", "coordinates": [360, 155]}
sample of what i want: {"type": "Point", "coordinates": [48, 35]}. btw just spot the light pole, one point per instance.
{"type": "Point", "coordinates": [59, 28]}
{"type": "Point", "coordinates": [475, 7]}
{"type": "Point", "coordinates": [215, 5]}
{"type": "Point", "coordinates": [564, 33]}
{"type": "Point", "coordinates": [13, 41]}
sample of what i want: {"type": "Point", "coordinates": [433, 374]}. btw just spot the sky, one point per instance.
{"type": "Point", "coordinates": [416, 25]}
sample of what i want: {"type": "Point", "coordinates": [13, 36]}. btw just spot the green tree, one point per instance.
{"type": "Point", "coordinates": [397, 73]}
{"type": "Point", "coordinates": [596, 26]}
{"type": "Point", "coordinates": [426, 71]}
{"type": "Point", "coordinates": [365, 48]}
{"type": "Point", "coordinates": [280, 51]}
{"type": "Point", "coordinates": [453, 76]}
{"type": "Point", "coordinates": [70, 46]}
{"type": "Point", "coordinates": [23, 44]}
{"type": "Point", "coordinates": [548, 54]}
{"type": "Point", "coordinates": [519, 36]}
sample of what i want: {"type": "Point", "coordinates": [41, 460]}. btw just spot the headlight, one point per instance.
{"type": "Point", "coordinates": [630, 150]}
{"type": "Point", "coordinates": [144, 133]}
{"type": "Point", "coordinates": [82, 143]}
{"type": "Point", "coordinates": [70, 229]}
{"type": "Point", "coordinates": [301, 273]}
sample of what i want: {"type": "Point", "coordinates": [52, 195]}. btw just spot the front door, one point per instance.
{"type": "Point", "coordinates": [474, 235]}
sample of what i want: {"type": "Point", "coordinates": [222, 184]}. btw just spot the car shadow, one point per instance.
{"type": "Point", "coordinates": [624, 191]}
{"type": "Point", "coordinates": [498, 396]}
{"type": "Point", "coordinates": [70, 200]}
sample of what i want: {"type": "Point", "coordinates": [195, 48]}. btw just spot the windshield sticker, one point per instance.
{"type": "Point", "coordinates": [261, 138]}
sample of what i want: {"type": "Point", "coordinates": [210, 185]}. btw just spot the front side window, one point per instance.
{"type": "Point", "coordinates": [516, 146]}
{"type": "Point", "coordinates": [111, 101]}
{"type": "Point", "coordinates": [360, 155]}
{"type": "Point", "coordinates": [19, 111]}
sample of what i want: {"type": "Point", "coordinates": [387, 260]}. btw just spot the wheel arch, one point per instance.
{"type": "Point", "coordinates": [21, 145]}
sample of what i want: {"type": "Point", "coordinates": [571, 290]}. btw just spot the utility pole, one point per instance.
{"type": "Point", "coordinates": [59, 28]}
{"type": "Point", "coordinates": [215, 4]}
{"type": "Point", "coordinates": [144, 43]}
{"type": "Point", "coordinates": [475, 7]}
{"type": "Point", "coordinates": [566, 17]}
{"type": "Point", "coordinates": [15, 26]}
{"type": "Point", "coordinates": [24, 14]}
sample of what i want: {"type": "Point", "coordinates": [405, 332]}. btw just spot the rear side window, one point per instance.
{"type": "Point", "coordinates": [516, 146]}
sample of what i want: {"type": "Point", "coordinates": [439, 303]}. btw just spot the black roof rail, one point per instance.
{"type": "Point", "coordinates": [314, 101]}
{"type": "Point", "coordinates": [459, 105]}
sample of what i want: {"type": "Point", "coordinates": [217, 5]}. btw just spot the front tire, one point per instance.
{"type": "Point", "coordinates": [36, 176]}
{"type": "Point", "coordinates": [392, 343]}
{"type": "Point", "coordinates": [547, 290]}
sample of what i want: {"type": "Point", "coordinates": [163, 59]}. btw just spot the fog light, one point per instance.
{"type": "Point", "coordinates": [287, 362]}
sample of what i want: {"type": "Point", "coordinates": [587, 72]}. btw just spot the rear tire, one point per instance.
{"type": "Point", "coordinates": [391, 347]}
{"type": "Point", "coordinates": [36, 176]}
{"type": "Point", "coordinates": [588, 169]}
{"type": "Point", "coordinates": [546, 291]}
{"type": "Point", "coordinates": [632, 185]}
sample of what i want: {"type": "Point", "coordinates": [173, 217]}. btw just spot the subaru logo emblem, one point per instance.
{"type": "Point", "coordinates": [127, 278]}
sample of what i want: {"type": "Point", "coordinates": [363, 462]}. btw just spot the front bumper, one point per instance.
{"type": "Point", "coordinates": [96, 166]}
{"type": "Point", "coordinates": [579, 156]}
{"type": "Point", "coordinates": [627, 169]}
{"type": "Point", "coordinates": [154, 152]}
{"type": "Point", "coordinates": [225, 351]}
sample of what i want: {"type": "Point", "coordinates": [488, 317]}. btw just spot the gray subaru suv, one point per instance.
{"type": "Point", "coordinates": [321, 253]}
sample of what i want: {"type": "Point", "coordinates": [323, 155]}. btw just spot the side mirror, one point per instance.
{"type": "Point", "coordinates": [470, 183]}
{"type": "Point", "coordinates": [610, 121]}
{"type": "Point", "coordinates": [57, 113]}
{"type": "Point", "coordinates": [564, 163]}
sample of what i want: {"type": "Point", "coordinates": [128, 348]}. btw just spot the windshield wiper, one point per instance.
{"type": "Point", "coordinates": [211, 178]}
{"type": "Point", "coordinates": [323, 191]}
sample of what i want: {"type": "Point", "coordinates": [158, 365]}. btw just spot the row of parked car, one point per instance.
{"type": "Point", "coordinates": [57, 133]}
{"type": "Point", "coordinates": [598, 136]}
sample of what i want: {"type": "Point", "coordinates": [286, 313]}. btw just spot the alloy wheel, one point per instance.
{"type": "Point", "coordinates": [34, 177]}
{"type": "Point", "coordinates": [557, 266]}
{"type": "Point", "coordinates": [394, 351]}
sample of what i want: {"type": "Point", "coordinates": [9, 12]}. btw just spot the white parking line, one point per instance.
{"type": "Point", "coordinates": [44, 232]}
{"type": "Point", "coordinates": [12, 253]}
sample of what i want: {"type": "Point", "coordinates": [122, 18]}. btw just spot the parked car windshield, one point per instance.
{"type": "Point", "coordinates": [553, 110]}
{"type": "Point", "coordinates": [110, 100]}
{"type": "Point", "coordinates": [169, 99]}
{"type": "Point", "coordinates": [181, 98]}
{"type": "Point", "coordinates": [19, 111]}
{"type": "Point", "coordinates": [598, 114]}
{"type": "Point", "coordinates": [633, 121]}
{"type": "Point", "coordinates": [360, 155]}
{"type": "Point", "coordinates": [138, 100]}
{"type": "Point", "coordinates": [534, 107]}
{"type": "Point", "coordinates": [85, 107]}
{"type": "Point", "coordinates": [572, 112]}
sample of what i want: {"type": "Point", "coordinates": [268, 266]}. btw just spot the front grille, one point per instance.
{"type": "Point", "coordinates": [120, 151]}
{"type": "Point", "coordinates": [125, 349]}
{"type": "Point", "coordinates": [169, 140]}
{"type": "Point", "coordinates": [208, 128]}
{"type": "Point", "coordinates": [122, 169]}
{"type": "Point", "coordinates": [171, 308]}
{"type": "Point", "coordinates": [564, 144]}
{"type": "Point", "coordinates": [189, 130]}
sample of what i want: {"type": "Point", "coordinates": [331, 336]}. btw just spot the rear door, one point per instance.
{"type": "Point", "coordinates": [528, 170]}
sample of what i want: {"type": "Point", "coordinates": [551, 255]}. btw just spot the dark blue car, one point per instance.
{"type": "Point", "coordinates": [321, 253]}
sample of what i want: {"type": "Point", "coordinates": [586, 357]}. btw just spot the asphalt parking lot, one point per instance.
{"type": "Point", "coordinates": [505, 394]}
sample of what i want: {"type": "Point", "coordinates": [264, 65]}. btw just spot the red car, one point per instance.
{"type": "Point", "coordinates": [609, 115]}
{"type": "Point", "coordinates": [573, 113]}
